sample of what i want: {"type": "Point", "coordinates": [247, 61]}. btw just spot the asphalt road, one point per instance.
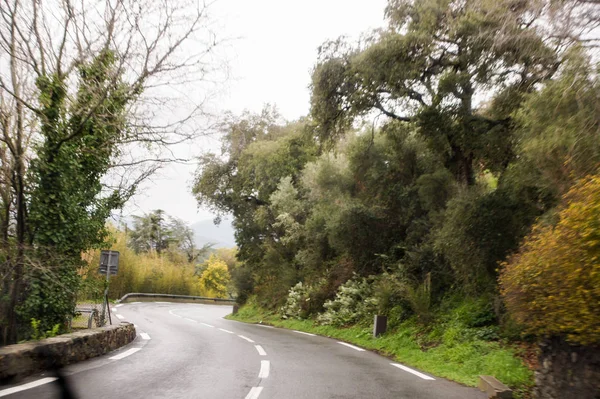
{"type": "Point", "coordinates": [190, 351]}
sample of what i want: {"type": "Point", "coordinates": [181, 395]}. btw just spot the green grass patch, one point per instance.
{"type": "Point", "coordinates": [458, 356]}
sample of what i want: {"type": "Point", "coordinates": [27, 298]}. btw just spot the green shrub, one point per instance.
{"type": "Point", "coordinates": [354, 302]}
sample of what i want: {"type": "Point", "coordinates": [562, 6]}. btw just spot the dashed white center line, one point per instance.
{"type": "Point", "coordinates": [227, 331]}
{"type": "Point", "coordinates": [263, 325]}
{"type": "Point", "coordinates": [120, 317]}
{"type": "Point", "coordinates": [207, 325]}
{"type": "Point", "coordinates": [254, 392]}
{"type": "Point", "coordinates": [125, 354]}
{"type": "Point", "coordinates": [119, 305]}
{"type": "Point", "coordinates": [246, 338]}
{"type": "Point", "coordinates": [260, 350]}
{"type": "Point", "coordinates": [144, 336]}
{"type": "Point", "coordinates": [356, 348]}
{"type": "Point", "coordinates": [305, 333]}
{"type": "Point", "coordinates": [415, 372]}
{"type": "Point", "coordinates": [24, 387]}
{"type": "Point", "coordinates": [113, 309]}
{"type": "Point", "coordinates": [193, 321]}
{"type": "Point", "coordinates": [265, 366]}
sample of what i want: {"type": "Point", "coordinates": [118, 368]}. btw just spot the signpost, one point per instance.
{"type": "Point", "coordinates": [109, 265]}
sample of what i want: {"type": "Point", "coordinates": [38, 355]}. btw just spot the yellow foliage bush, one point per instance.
{"type": "Point", "coordinates": [552, 285]}
{"type": "Point", "coordinates": [215, 278]}
{"type": "Point", "coordinates": [146, 272]}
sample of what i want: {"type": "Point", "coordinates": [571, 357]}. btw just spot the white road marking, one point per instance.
{"type": "Point", "coordinates": [113, 309]}
{"type": "Point", "coordinates": [161, 302]}
{"type": "Point", "coordinates": [263, 325]}
{"type": "Point", "coordinates": [135, 326]}
{"type": "Point", "coordinates": [194, 321]}
{"type": "Point", "coordinates": [125, 354]}
{"type": "Point", "coordinates": [120, 317]}
{"type": "Point", "coordinates": [207, 325]}
{"type": "Point", "coordinates": [260, 350]}
{"type": "Point", "coordinates": [24, 387]}
{"type": "Point", "coordinates": [144, 336]}
{"type": "Point", "coordinates": [254, 392]}
{"type": "Point", "coordinates": [246, 338]}
{"type": "Point", "coordinates": [119, 305]}
{"type": "Point", "coordinates": [415, 372]}
{"type": "Point", "coordinates": [305, 333]}
{"type": "Point", "coordinates": [134, 303]}
{"type": "Point", "coordinates": [227, 331]}
{"type": "Point", "coordinates": [173, 314]}
{"type": "Point", "coordinates": [356, 348]}
{"type": "Point", "coordinates": [265, 365]}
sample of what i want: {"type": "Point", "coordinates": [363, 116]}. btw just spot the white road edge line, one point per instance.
{"type": "Point", "coordinates": [254, 392]}
{"type": "Point", "coordinates": [260, 350]}
{"type": "Point", "coordinates": [246, 338]}
{"type": "Point", "coordinates": [134, 303]}
{"type": "Point", "coordinates": [119, 305]}
{"type": "Point", "coordinates": [24, 387]}
{"type": "Point", "coordinates": [207, 325]}
{"type": "Point", "coordinates": [265, 365]}
{"type": "Point", "coordinates": [125, 354]}
{"type": "Point", "coordinates": [262, 325]}
{"type": "Point", "coordinates": [193, 321]}
{"type": "Point", "coordinates": [227, 331]}
{"type": "Point", "coordinates": [356, 348]}
{"type": "Point", "coordinates": [415, 372]}
{"type": "Point", "coordinates": [173, 314]}
{"type": "Point", "coordinates": [120, 317]}
{"type": "Point", "coordinates": [161, 302]}
{"type": "Point", "coordinates": [305, 333]}
{"type": "Point", "coordinates": [144, 336]}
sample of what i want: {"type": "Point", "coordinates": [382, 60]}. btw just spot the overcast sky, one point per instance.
{"type": "Point", "coordinates": [272, 51]}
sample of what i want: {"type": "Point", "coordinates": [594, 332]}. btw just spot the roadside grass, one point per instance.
{"type": "Point", "coordinates": [459, 360]}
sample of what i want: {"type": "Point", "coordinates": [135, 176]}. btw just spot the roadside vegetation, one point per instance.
{"type": "Point", "coordinates": [159, 256]}
{"type": "Point", "coordinates": [446, 177]}
{"type": "Point", "coordinates": [82, 126]}
{"type": "Point", "coordinates": [450, 348]}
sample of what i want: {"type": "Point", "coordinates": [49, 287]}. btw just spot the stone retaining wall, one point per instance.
{"type": "Point", "coordinates": [18, 361]}
{"type": "Point", "coordinates": [567, 372]}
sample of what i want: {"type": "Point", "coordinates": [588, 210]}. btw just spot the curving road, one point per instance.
{"type": "Point", "coordinates": [190, 351]}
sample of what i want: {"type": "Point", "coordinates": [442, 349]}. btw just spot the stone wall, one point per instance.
{"type": "Point", "coordinates": [18, 361]}
{"type": "Point", "coordinates": [567, 371]}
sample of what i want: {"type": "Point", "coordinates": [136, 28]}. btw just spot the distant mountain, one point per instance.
{"type": "Point", "coordinates": [206, 231]}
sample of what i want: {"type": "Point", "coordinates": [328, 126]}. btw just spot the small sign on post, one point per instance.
{"type": "Point", "coordinates": [109, 265]}
{"type": "Point", "coordinates": [109, 260]}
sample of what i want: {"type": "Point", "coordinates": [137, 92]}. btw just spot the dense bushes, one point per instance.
{"type": "Point", "coordinates": [552, 285]}
{"type": "Point", "coordinates": [144, 272]}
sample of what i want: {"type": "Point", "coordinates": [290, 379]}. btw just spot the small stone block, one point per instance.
{"type": "Point", "coordinates": [494, 388]}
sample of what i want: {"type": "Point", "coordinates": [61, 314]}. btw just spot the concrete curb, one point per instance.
{"type": "Point", "coordinates": [20, 360]}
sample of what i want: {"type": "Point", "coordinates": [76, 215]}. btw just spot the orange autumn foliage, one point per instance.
{"type": "Point", "coordinates": [552, 284]}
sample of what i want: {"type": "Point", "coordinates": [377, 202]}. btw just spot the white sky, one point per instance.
{"type": "Point", "coordinates": [273, 51]}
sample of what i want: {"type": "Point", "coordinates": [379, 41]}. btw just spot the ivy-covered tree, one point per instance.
{"type": "Point", "coordinates": [68, 203]}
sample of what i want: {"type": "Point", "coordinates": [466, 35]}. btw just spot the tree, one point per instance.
{"type": "Point", "coordinates": [149, 233]}
{"type": "Point", "coordinates": [215, 277]}
{"type": "Point", "coordinates": [78, 95]}
{"type": "Point", "coordinates": [258, 150]}
{"type": "Point", "coordinates": [429, 68]}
